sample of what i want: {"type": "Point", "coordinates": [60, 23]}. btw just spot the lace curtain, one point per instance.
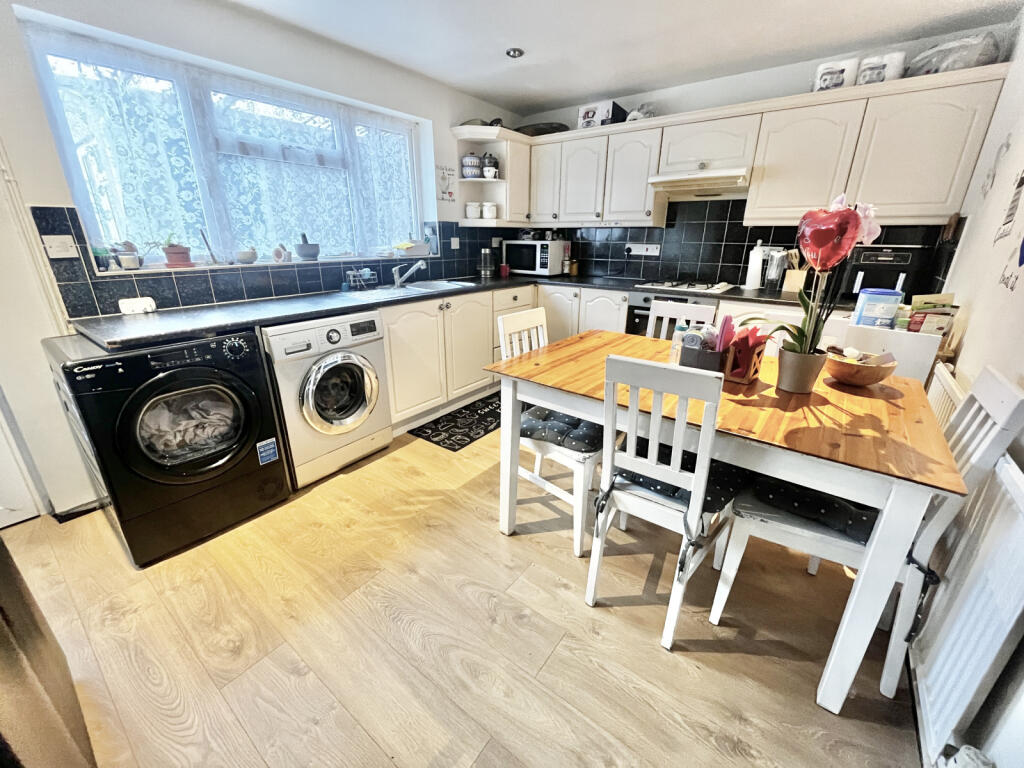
{"type": "Point", "coordinates": [155, 149]}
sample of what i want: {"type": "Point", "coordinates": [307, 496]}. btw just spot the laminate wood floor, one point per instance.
{"type": "Point", "coordinates": [380, 618]}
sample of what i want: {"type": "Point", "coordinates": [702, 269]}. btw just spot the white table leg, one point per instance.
{"type": "Point", "coordinates": [883, 558]}
{"type": "Point", "coordinates": [511, 423]}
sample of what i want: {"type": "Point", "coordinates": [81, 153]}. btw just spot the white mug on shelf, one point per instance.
{"type": "Point", "coordinates": [490, 172]}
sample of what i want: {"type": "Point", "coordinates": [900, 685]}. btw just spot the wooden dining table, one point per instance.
{"type": "Point", "coordinates": [879, 445]}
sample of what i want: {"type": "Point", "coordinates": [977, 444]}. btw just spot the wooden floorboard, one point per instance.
{"type": "Point", "coordinates": [379, 618]}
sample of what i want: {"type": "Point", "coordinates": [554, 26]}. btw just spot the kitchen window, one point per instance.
{"type": "Point", "coordinates": [157, 150]}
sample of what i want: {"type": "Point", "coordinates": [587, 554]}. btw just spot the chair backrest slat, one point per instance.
{"type": "Point", "coordinates": [662, 381]}
{"type": "Point", "coordinates": [664, 316]}
{"type": "Point", "coordinates": [944, 393]}
{"type": "Point", "coordinates": [522, 332]}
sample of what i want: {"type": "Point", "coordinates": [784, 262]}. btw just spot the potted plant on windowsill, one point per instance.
{"type": "Point", "coordinates": [176, 254]}
{"type": "Point", "coordinates": [825, 238]}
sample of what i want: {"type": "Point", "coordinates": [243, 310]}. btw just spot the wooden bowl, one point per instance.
{"type": "Point", "coordinates": [857, 374]}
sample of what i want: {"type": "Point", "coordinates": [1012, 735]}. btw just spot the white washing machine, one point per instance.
{"type": "Point", "coordinates": [331, 379]}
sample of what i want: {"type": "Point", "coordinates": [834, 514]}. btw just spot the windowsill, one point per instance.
{"type": "Point", "coordinates": [163, 268]}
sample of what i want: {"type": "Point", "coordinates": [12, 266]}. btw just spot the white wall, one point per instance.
{"type": "Point", "coordinates": [785, 80]}
{"type": "Point", "coordinates": [994, 312]}
{"type": "Point", "coordinates": [205, 28]}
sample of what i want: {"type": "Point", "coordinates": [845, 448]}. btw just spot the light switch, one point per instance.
{"type": "Point", "coordinates": [495, 242]}
{"type": "Point", "coordinates": [455, 243]}
{"type": "Point", "coordinates": [60, 247]}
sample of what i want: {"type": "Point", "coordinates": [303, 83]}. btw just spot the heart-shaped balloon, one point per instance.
{"type": "Point", "coordinates": [827, 237]}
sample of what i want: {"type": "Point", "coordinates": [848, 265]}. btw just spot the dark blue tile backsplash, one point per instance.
{"type": "Point", "coordinates": [703, 241]}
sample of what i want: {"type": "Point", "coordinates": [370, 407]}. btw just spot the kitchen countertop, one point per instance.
{"type": "Point", "coordinates": [115, 332]}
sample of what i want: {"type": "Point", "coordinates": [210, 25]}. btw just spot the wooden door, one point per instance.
{"type": "Point", "coordinates": [581, 198]}
{"type": "Point", "coordinates": [414, 341]}
{"type": "Point", "coordinates": [632, 160]}
{"type": "Point", "coordinates": [545, 175]}
{"type": "Point", "coordinates": [467, 342]}
{"type": "Point", "coordinates": [802, 160]}
{"type": "Point", "coordinates": [711, 144]}
{"type": "Point", "coordinates": [917, 151]}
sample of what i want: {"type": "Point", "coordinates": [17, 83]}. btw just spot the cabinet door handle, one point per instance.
{"type": "Point", "coordinates": [597, 214]}
{"type": "Point", "coordinates": [515, 298]}
{"type": "Point", "coordinates": [529, 215]}
{"type": "Point", "coordinates": [647, 213]}
{"type": "Point", "coordinates": [448, 305]}
{"type": "Point", "coordinates": [625, 298]}
{"type": "Point", "coordinates": [441, 306]}
{"type": "Point", "coordinates": [702, 165]}
{"type": "Point", "coordinates": [554, 215]}
{"type": "Point", "coordinates": [575, 295]}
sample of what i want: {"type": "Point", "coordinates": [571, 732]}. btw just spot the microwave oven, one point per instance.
{"type": "Point", "coordinates": [535, 257]}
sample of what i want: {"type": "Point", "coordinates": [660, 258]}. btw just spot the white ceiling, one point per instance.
{"type": "Point", "coordinates": [579, 49]}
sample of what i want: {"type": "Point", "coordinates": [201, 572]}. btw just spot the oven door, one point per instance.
{"type": "Point", "coordinates": [188, 425]}
{"type": "Point", "coordinates": [522, 257]}
{"type": "Point", "coordinates": [339, 393]}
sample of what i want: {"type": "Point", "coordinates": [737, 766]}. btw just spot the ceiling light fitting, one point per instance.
{"type": "Point", "coordinates": [514, 53]}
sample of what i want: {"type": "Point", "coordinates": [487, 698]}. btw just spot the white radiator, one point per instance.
{"type": "Point", "coordinates": [974, 621]}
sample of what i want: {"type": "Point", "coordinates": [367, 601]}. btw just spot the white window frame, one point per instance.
{"type": "Point", "coordinates": [194, 81]}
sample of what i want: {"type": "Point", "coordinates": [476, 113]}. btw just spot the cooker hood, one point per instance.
{"type": "Point", "coordinates": [688, 185]}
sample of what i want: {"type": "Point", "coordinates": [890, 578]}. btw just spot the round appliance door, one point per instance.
{"type": "Point", "coordinates": [339, 392]}
{"type": "Point", "coordinates": [188, 425]}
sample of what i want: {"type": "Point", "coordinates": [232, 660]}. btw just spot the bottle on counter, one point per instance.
{"type": "Point", "coordinates": [754, 263]}
{"type": "Point", "coordinates": [675, 353]}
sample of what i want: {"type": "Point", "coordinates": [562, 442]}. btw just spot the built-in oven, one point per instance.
{"type": "Point", "coordinates": [901, 268]}
{"type": "Point", "coordinates": [639, 311]}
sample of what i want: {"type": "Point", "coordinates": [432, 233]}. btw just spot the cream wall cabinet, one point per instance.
{"type": "Point", "coordinates": [917, 151]}
{"type": "Point", "coordinates": [802, 160]}
{"type": "Point", "coordinates": [562, 307]}
{"type": "Point", "coordinates": [710, 145]}
{"type": "Point", "coordinates": [603, 310]}
{"type": "Point", "coordinates": [628, 198]}
{"type": "Point", "coordinates": [545, 177]}
{"type": "Point", "coordinates": [581, 187]}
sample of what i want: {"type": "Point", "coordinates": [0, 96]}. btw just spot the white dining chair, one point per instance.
{"type": "Point", "coordinates": [661, 483]}
{"type": "Point", "coordinates": [566, 440]}
{"type": "Point", "coordinates": [665, 315]}
{"type": "Point", "coordinates": [944, 393]}
{"type": "Point", "coordinates": [982, 428]}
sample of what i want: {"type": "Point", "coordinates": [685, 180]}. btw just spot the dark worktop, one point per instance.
{"type": "Point", "coordinates": [115, 332]}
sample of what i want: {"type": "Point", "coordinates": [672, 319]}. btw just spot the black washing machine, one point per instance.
{"type": "Point", "coordinates": [184, 437]}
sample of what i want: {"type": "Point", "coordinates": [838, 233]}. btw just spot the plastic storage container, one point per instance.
{"type": "Point", "coordinates": [877, 307]}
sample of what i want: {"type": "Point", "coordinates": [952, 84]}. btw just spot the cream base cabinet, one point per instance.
{"type": "Point", "coordinates": [917, 151]}
{"type": "Point", "coordinates": [545, 177]}
{"type": "Point", "coordinates": [467, 342]}
{"type": "Point", "coordinates": [414, 341]}
{"type": "Point", "coordinates": [561, 305]}
{"type": "Point", "coordinates": [632, 160]}
{"type": "Point", "coordinates": [602, 310]}
{"type": "Point", "coordinates": [710, 145]}
{"type": "Point", "coordinates": [581, 195]}
{"type": "Point", "coordinates": [802, 161]}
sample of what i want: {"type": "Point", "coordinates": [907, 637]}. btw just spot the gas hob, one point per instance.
{"type": "Point", "coordinates": [679, 285]}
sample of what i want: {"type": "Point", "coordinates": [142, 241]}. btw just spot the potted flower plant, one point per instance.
{"type": "Point", "coordinates": [175, 252]}
{"type": "Point", "coordinates": [825, 238]}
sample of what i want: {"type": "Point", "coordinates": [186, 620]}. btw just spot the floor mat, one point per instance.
{"type": "Point", "coordinates": [464, 425]}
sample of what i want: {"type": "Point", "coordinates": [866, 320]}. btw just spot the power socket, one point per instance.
{"type": "Point", "coordinates": [455, 243]}
{"type": "Point", "coordinates": [60, 247]}
{"type": "Point", "coordinates": [644, 249]}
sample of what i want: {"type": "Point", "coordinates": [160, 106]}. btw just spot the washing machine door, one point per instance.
{"type": "Point", "coordinates": [339, 392]}
{"type": "Point", "coordinates": [188, 425]}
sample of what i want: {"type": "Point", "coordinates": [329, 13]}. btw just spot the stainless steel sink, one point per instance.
{"type": "Point", "coordinates": [429, 286]}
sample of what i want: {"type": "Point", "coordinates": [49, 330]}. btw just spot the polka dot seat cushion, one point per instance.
{"type": "Point", "coordinates": [854, 521]}
{"type": "Point", "coordinates": [725, 481]}
{"type": "Point", "coordinates": [559, 429]}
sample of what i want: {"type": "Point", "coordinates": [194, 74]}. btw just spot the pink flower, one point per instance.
{"type": "Point", "coordinates": [869, 228]}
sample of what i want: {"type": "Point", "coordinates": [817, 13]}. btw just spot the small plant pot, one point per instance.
{"type": "Point", "coordinates": [246, 257]}
{"type": "Point", "coordinates": [798, 372]}
{"type": "Point", "coordinates": [177, 254]}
